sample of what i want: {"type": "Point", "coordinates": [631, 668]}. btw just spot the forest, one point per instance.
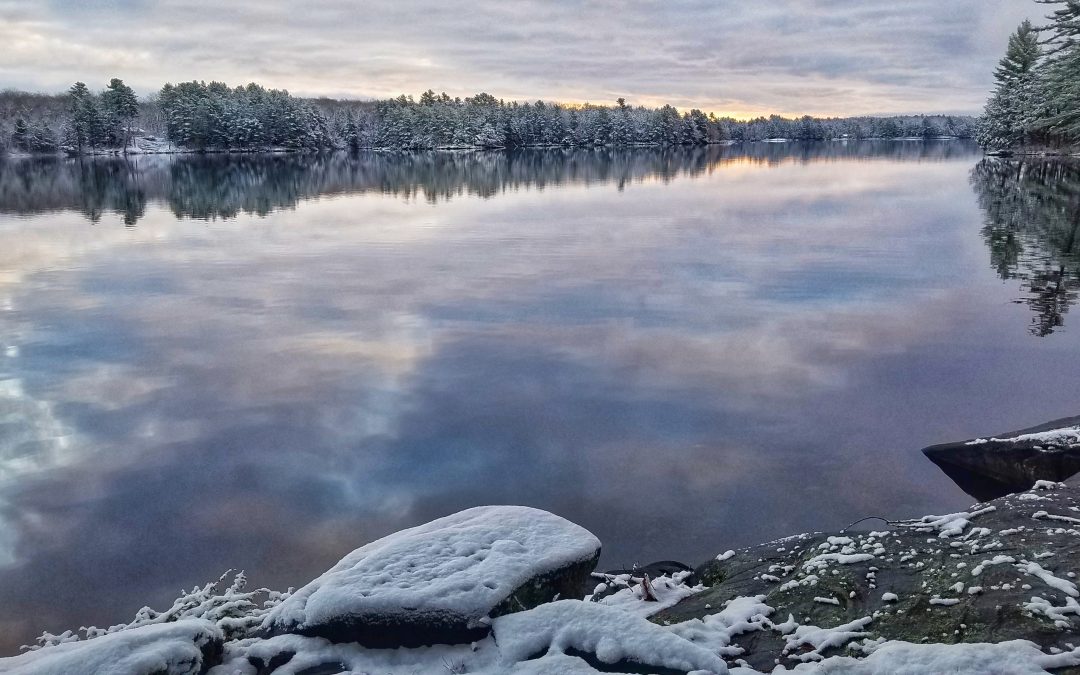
{"type": "Point", "coordinates": [1036, 101]}
{"type": "Point", "coordinates": [196, 116]}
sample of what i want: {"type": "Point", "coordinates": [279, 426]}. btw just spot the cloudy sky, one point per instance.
{"type": "Point", "coordinates": [738, 57]}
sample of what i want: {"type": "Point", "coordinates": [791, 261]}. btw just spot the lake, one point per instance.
{"type": "Point", "coordinates": [263, 362]}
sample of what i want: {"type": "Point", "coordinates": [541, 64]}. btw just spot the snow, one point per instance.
{"type": "Point", "coordinates": [1044, 515]}
{"type": "Point", "coordinates": [667, 590]}
{"type": "Point", "coordinates": [1065, 436]}
{"type": "Point", "coordinates": [464, 564]}
{"type": "Point", "coordinates": [1016, 657]}
{"type": "Point", "coordinates": [174, 647]}
{"type": "Point", "coordinates": [1040, 605]}
{"type": "Point", "coordinates": [235, 611]}
{"type": "Point", "coordinates": [725, 555]}
{"type": "Point", "coordinates": [491, 551]}
{"type": "Point", "coordinates": [1035, 569]}
{"type": "Point", "coordinates": [820, 562]}
{"type": "Point", "coordinates": [715, 631]}
{"type": "Point", "coordinates": [808, 580]}
{"type": "Point", "coordinates": [311, 652]}
{"type": "Point", "coordinates": [996, 560]}
{"type": "Point", "coordinates": [631, 598]}
{"type": "Point", "coordinates": [948, 525]}
{"type": "Point", "coordinates": [944, 602]}
{"type": "Point", "coordinates": [608, 633]}
{"type": "Point", "coordinates": [553, 663]}
{"type": "Point", "coordinates": [1047, 485]}
{"type": "Point", "coordinates": [613, 637]}
{"type": "Point", "coordinates": [820, 639]}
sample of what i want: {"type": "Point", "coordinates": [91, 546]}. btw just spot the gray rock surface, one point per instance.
{"type": "Point", "coordinates": [989, 574]}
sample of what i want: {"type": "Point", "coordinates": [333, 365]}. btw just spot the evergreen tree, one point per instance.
{"type": "Point", "coordinates": [1061, 73]}
{"type": "Point", "coordinates": [122, 106]}
{"type": "Point", "coordinates": [83, 116]}
{"type": "Point", "coordinates": [20, 137]}
{"type": "Point", "coordinates": [1017, 100]}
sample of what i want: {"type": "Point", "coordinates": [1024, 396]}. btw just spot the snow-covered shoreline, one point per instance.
{"type": "Point", "coordinates": [507, 589]}
{"type": "Point", "coordinates": [155, 146]}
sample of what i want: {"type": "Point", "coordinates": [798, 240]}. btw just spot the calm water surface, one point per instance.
{"type": "Point", "coordinates": [263, 362]}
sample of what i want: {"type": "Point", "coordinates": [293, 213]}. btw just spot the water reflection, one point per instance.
{"type": "Point", "coordinates": [225, 186]}
{"type": "Point", "coordinates": [1032, 228]}
{"type": "Point", "coordinates": [741, 344]}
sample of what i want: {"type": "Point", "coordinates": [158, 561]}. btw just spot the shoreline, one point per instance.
{"type": "Point", "coordinates": [511, 589]}
{"type": "Point", "coordinates": [169, 149]}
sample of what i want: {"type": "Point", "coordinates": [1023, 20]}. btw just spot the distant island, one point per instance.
{"type": "Point", "coordinates": [214, 117]}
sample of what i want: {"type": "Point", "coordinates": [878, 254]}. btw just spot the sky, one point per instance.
{"type": "Point", "coordinates": [820, 57]}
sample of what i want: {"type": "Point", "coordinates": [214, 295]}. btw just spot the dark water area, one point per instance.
{"type": "Point", "coordinates": [263, 362]}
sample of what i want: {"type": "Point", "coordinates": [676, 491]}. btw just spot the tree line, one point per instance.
{"type": "Point", "coordinates": [1036, 98]}
{"type": "Point", "coordinates": [213, 116]}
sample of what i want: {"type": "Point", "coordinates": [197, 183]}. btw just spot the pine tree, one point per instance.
{"type": "Point", "coordinates": [81, 122]}
{"type": "Point", "coordinates": [20, 137]}
{"type": "Point", "coordinates": [1016, 103]}
{"type": "Point", "coordinates": [1061, 73]}
{"type": "Point", "coordinates": [122, 106]}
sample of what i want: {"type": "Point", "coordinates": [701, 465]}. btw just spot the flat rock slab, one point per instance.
{"type": "Point", "coordinates": [180, 648]}
{"type": "Point", "coordinates": [440, 582]}
{"type": "Point", "coordinates": [999, 571]}
{"type": "Point", "coordinates": [987, 468]}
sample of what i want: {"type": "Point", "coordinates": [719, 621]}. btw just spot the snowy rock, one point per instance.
{"type": "Point", "coordinates": [992, 573]}
{"type": "Point", "coordinates": [994, 466]}
{"type": "Point", "coordinates": [1016, 657]}
{"type": "Point", "coordinates": [441, 582]}
{"type": "Point", "coordinates": [178, 648]}
{"type": "Point", "coordinates": [597, 633]}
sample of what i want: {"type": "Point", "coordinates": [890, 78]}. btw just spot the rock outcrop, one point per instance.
{"type": "Point", "coordinates": [1000, 571]}
{"type": "Point", "coordinates": [987, 468]}
{"type": "Point", "coordinates": [442, 583]}
{"type": "Point", "coordinates": [485, 591]}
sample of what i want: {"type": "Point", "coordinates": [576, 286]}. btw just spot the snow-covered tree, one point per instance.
{"type": "Point", "coordinates": [1016, 103]}
{"type": "Point", "coordinates": [1061, 73]}
{"type": "Point", "coordinates": [121, 106]}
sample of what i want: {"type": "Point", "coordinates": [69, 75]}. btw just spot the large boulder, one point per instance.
{"type": "Point", "coordinates": [996, 572]}
{"type": "Point", "coordinates": [440, 583]}
{"type": "Point", "coordinates": [987, 468]}
{"type": "Point", "coordinates": [183, 647]}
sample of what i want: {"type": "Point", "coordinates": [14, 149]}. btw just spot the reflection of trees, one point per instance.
{"type": "Point", "coordinates": [222, 186]}
{"type": "Point", "coordinates": [89, 187]}
{"type": "Point", "coordinates": [1032, 209]}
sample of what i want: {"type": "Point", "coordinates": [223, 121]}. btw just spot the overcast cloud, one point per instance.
{"type": "Point", "coordinates": [824, 57]}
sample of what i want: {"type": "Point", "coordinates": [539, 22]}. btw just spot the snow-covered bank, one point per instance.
{"type": "Point", "coordinates": [507, 589]}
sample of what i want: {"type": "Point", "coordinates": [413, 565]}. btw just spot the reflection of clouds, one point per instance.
{"type": "Point", "coordinates": [33, 437]}
{"type": "Point", "coordinates": [266, 393]}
